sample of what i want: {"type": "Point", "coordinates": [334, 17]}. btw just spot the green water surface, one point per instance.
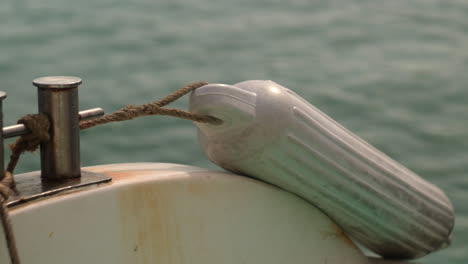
{"type": "Point", "coordinates": [394, 72]}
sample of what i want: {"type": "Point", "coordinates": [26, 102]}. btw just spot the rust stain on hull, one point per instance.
{"type": "Point", "coordinates": [338, 233]}
{"type": "Point", "coordinates": [151, 231]}
{"type": "Point", "coordinates": [123, 175]}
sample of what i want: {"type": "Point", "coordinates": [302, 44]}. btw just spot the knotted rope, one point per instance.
{"type": "Point", "coordinates": [39, 125]}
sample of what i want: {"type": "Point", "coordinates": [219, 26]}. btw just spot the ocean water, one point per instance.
{"type": "Point", "coordinates": [394, 72]}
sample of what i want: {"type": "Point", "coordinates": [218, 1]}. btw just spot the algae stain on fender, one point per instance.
{"type": "Point", "coordinates": [272, 134]}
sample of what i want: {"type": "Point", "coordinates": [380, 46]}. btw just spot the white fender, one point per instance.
{"type": "Point", "coordinates": [272, 134]}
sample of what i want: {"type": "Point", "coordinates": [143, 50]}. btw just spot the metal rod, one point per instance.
{"type": "Point", "coordinates": [90, 113]}
{"type": "Point", "coordinates": [2, 165]}
{"type": "Point", "coordinates": [58, 99]}
{"type": "Point", "coordinates": [20, 129]}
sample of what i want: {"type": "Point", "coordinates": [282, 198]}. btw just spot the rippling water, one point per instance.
{"type": "Point", "coordinates": [394, 72]}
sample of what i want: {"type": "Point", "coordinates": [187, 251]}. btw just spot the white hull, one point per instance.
{"type": "Point", "coordinates": [168, 213]}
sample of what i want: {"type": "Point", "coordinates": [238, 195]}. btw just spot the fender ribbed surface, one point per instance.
{"type": "Point", "coordinates": [290, 143]}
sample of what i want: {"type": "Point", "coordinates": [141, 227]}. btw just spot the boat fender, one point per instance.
{"type": "Point", "coordinates": [272, 134]}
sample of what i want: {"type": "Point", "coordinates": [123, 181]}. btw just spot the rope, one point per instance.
{"type": "Point", "coordinates": [5, 192]}
{"type": "Point", "coordinates": [39, 125]}
{"type": "Point", "coordinates": [154, 108]}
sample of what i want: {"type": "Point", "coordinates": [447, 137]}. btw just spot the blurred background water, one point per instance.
{"type": "Point", "coordinates": [394, 72]}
